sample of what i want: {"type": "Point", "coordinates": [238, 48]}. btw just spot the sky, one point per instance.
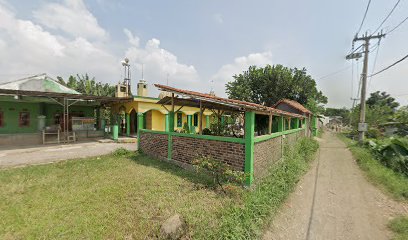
{"type": "Point", "coordinates": [200, 45]}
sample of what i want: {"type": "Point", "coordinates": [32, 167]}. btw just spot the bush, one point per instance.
{"type": "Point", "coordinates": [120, 152]}
{"type": "Point", "coordinates": [221, 173]}
{"type": "Point", "coordinates": [206, 131]}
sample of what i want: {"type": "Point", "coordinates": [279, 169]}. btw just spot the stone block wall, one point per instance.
{"type": "Point", "coordinates": [266, 153]}
{"type": "Point", "coordinates": [154, 144]}
{"type": "Point", "coordinates": [186, 149]}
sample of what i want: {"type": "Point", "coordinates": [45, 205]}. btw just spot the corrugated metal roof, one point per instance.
{"type": "Point", "coordinates": [39, 83]}
{"type": "Point", "coordinates": [237, 104]}
{"type": "Point", "coordinates": [293, 104]}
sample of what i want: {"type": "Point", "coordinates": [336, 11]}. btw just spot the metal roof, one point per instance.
{"type": "Point", "coordinates": [225, 102]}
{"type": "Point", "coordinates": [41, 83]}
{"type": "Point", "coordinates": [63, 95]}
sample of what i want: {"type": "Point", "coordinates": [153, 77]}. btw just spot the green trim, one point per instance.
{"type": "Point", "coordinates": [151, 98]}
{"type": "Point", "coordinates": [267, 137]}
{"type": "Point", "coordinates": [206, 137]}
{"type": "Point", "coordinates": [281, 124]}
{"type": "Point", "coordinates": [115, 132]}
{"type": "Point", "coordinates": [166, 123]}
{"type": "Point", "coordinates": [190, 123]}
{"type": "Point", "coordinates": [292, 131]}
{"type": "Point", "coordinates": [171, 121]}
{"type": "Point", "coordinates": [249, 146]}
{"type": "Point", "coordinates": [207, 121]}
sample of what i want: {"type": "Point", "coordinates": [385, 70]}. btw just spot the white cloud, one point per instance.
{"type": "Point", "coordinates": [72, 17]}
{"type": "Point", "coordinates": [218, 18]}
{"type": "Point", "coordinates": [158, 62]}
{"type": "Point", "coordinates": [240, 64]}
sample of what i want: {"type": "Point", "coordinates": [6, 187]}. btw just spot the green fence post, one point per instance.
{"type": "Point", "coordinates": [171, 121]}
{"type": "Point", "coordinates": [140, 125]}
{"type": "Point", "coordinates": [249, 146]}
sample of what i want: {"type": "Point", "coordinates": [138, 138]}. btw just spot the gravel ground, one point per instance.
{"type": "Point", "coordinates": [335, 201]}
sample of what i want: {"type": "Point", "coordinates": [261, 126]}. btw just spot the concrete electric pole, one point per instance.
{"type": "Point", "coordinates": [362, 126]}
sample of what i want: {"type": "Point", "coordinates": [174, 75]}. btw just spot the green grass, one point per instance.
{"type": "Point", "coordinates": [399, 226]}
{"type": "Point", "coordinates": [393, 183]}
{"type": "Point", "coordinates": [114, 196]}
{"type": "Point", "coordinates": [247, 220]}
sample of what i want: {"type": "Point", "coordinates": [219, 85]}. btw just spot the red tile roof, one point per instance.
{"type": "Point", "coordinates": [220, 100]}
{"type": "Point", "coordinates": [293, 104]}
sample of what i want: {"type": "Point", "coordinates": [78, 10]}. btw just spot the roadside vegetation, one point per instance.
{"type": "Point", "coordinates": [392, 182]}
{"type": "Point", "coordinates": [399, 226]}
{"type": "Point", "coordinates": [259, 206]}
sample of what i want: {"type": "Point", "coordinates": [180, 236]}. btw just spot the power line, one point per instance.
{"type": "Point", "coordinates": [390, 66]}
{"type": "Point", "coordinates": [335, 72]}
{"type": "Point", "coordinates": [389, 14]}
{"type": "Point", "coordinates": [375, 61]}
{"type": "Point", "coordinates": [365, 15]}
{"type": "Point", "coordinates": [405, 19]}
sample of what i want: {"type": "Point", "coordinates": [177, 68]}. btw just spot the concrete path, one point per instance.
{"type": "Point", "coordinates": [335, 201]}
{"type": "Point", "coordinates": [54, 153]}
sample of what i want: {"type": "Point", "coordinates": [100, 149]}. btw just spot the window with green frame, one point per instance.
{"type": "Point", "coordinates": [195, 119]}
{"type": "Point", "coordinates": [179, 120]}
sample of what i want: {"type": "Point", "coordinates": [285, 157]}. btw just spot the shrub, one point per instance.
{"type": "Point", "coordinates": [206, 131]}
{"type": "Point", "coordinates": [121, 152]}
{"type": "Point", "coordinates": [220, 172]}
{"type": "Point", "coordinates": [186, 128]}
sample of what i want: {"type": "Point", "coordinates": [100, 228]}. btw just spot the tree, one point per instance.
{"type": "Point", "coordinates": [382, 99]}
{"type": "Point", "coordinates": [342, 112]}
{"type": "Point", "coordinates": [402, 115]}
{"type": "Point", "coordinates": [269, 84]}
{"type": "Point", "coordinates": [86, 85]}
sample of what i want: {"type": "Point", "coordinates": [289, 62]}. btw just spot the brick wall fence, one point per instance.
{"type": "Point", "coordinates": [187, 149]}
{"type": "Point", "coordinates": [154, 144]}
{"type": "Point", "coordinates": [266, 153]}
{"type": "Point", "coordinates": [184, 149]}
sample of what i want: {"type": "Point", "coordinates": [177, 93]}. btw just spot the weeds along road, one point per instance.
{"type": "Point", "coordinates": [335, 201]}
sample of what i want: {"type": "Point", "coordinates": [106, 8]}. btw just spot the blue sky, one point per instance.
{"type": "Point", "coordinates": [194, 42]}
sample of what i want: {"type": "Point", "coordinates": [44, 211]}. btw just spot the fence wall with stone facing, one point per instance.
{"type": "Point", "coordinates": [154, 144]}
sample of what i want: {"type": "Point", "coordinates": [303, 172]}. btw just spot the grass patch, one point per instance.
{"type": "Point", "coordinates": [122, 195]}
{"type": "Point", "coordinates": [393, 183]}
{"type": "Point", "coordinates": [399, 226]}
{"type": "Point", "coordinates": [247, 220]}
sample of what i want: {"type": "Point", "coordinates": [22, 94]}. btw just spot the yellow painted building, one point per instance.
{"type": "Point", "coordinates": [156, 116]}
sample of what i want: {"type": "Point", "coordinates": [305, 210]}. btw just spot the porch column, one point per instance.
{"type": "Point", "coordinates": [190, 123]}
{"type": "Point", "coordinates": [140, 126]}
{"type": "Point", "coordinates": [222, 120]}
{"type": "Point", "coordinates": [98, 118]}
{"type": "Point", "coordinates": [289, 123]}
{"type": "Point", "coordinates": [249, 146]}
{"type": "Point", "coordinates": [127, 124]}
{"type": "Point", "coordinates": [270, 124]}
{"type": "Point", "coordinates": [281, 124]}
{"type": "Point", "coordinates": [207, 121]}
{"type": "Point", "coordinates": [166, 124]}
{"type": "Point", "coordinates": [171, 121]}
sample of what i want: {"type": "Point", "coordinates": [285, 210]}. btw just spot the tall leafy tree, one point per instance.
{"type": "Point", "coordinates": [86, 85]}
{"type": "Point", "coordinates": [382, 99]}
{"type": "Point", "coordinates": [266, 85]}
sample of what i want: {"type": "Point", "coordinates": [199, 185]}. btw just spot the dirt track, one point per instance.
{"type": "Point", "coordinates": [335, 201]}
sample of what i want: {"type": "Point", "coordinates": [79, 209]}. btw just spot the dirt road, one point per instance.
{"type": "Point", "coordinates": [335, 201]}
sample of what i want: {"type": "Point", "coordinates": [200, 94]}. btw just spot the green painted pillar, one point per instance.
{"type": "Point", "coordinates": [190, 123]}
{"type": "Point", "coordinates": [103, 124]}
{"type": "Point", "coordinates": [207, 121]}
{"type": "Point", "coordinates": [140, 125]}
{"type": "Point", "coordinates": [166, 124]}
{"type": "Point", "coordinates": [222, 120]}
{"type": "Point", "coordinates": [171, 121]}
{"type": "Point", "coordinates": [249, 146]}
{"type": "Point", "coordinates": [296, 123]}
{"type": "Point", "coordinates": [115, 132]}
{"type": "Point", "coordinates": [281, 124]}
{"type": "Point", "coordinates": [127, 124]}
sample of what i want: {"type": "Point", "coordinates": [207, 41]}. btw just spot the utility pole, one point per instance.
{"type": "Point", "coordinates": [362, 126]}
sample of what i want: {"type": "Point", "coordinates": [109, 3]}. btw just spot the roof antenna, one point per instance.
{"type": "Point", "coordinates": [142, 71]}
